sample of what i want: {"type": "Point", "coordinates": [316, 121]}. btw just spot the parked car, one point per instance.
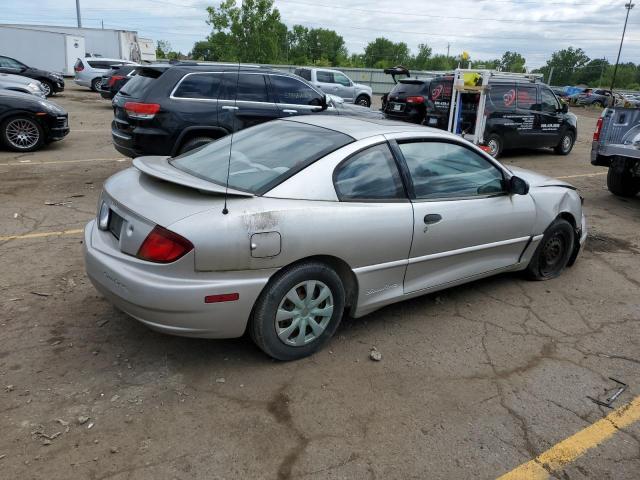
{"type": "Point", "coordinates": [597, 97]}
{"type": "Point", "coordinates": [28, 122]}
{"type": "Point", "coordinates": [171, 111]}
{"type": "Point", "coordinates": [616, 145]}
{"type": "Point", "coordinates": [115, 78]}
{"type": "Point", "coordinates": [52, 82]}
{"type": "Point", "coordinates": [337, 83]}
{"type": "Point", "coordinates": [521, 113]}
{"type": "Point", "coordinates": [407, 100]}
{"type": "Point", "coordinates": [89, 71]}
{"type": "Point", "coordinates": [18, 83]}
{"type": "Point", "coordinates": [278, 239]}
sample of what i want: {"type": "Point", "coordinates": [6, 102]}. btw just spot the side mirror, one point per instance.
{"type": "Point", "coordinates": [324, 104]}
{"type": "Point", "coordinates": [518, 186]}
{"type": "Point", "coordinates": [564, 108]}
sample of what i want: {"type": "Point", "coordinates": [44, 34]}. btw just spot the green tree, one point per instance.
{"type": "Point", "coordinates": [253, 31]}
{"type": "Point", "coordinates": [383, 53]}
{"type": "Point", "coordinates": [512, 62]}
{"type": "Point", "coordinates": [593, 73]}
{"type": "Point", "coordinates": [564, 64]}
{"type": "Point", "coordinates": [421, 60]}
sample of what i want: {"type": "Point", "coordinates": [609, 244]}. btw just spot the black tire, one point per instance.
{"type": "Point", "coordinates": [566, 144]}
{"type": "Point", "coordinates": [494, 142]}
{"type": "Point", "coordinates": [363, 100]}
{"type": "Point", "coordinates": [553, 254]}
{"type": "Point", "coordinates": [263, 323]}
{"type": "Point", "coordinates": [11, 126]}
{"type": "Point", "coordinates": [48, 87]}
{"type": "Point", "coordinates": [622, 183]}
{"type": "Point", "coordinates": [95, 84]}
{"type": "Point", "coordinates": [194, 143]}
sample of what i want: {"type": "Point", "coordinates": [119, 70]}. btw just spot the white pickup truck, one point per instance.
{"type": "Point", "coordinates": [616, 144]}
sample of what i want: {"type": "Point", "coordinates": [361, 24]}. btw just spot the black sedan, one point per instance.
{"type": "Point", "coordinates": [51, 82]}
{"type": "Point", "coordinates": [28, 122]}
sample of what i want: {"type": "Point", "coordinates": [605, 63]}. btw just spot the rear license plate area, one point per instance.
{"type": "Point", "coordinates": [115, 224]}
{"type": "Point", "coordinates": [397, 107]}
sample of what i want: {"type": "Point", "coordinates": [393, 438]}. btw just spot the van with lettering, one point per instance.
{"type": "Point", "coordinates": [521, 112]}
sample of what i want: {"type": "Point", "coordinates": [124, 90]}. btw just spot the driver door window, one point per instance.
{"type": "Point", "coordinates": [447, 170]}
{"type": "Point", "coordinates": [549, 101]}
{"type": "Point", "coordinates": [290, 91]}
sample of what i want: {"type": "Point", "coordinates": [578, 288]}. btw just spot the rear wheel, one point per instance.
{"type": "Point", "coordinates": [194, 143]}
{"type": "Point", "coordinates": [298, 312]}
{"type": "Point", "coordinates": [95, 84]}
{"type": "Point", "coordinates": [22, 134]}
{"type": "Point", "coordinates": [553, 253]}
{"type": "Point", "coordinates": [494, 142]}
{"type": "Point", "coordinates": [622, 183]}
{"type": "Point", "coordinates": [566, 144]}
{"type": "Point", "coordinates": [363, 100]}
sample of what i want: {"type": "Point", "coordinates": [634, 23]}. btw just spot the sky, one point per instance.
{"type": "Point", "coordinates": [483, 28]}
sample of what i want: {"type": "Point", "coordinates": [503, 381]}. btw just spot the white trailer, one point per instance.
{"type": "Point", "coordinates": [47, 50]}
{"type": "Point", "coordinates": [101, 42]}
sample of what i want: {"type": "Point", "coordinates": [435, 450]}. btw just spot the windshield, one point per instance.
{"type": "Point", "coordinates": [262, 156]}
{"type": "Point", "coordinates": [410, 87]}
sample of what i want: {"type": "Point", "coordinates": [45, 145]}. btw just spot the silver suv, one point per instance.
{"type": "Point", "coordinates": [338, 84]}
{"type": "Point", "coordinates": [89, 71]}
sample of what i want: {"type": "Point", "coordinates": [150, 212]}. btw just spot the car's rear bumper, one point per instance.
{"type": "Point", "coordinates": [171, 299]}
{"type": "Point", "coordinates": [140, 141]}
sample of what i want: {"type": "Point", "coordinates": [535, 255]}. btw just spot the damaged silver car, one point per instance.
{"type": "Point", "coordinates": [294, 223]}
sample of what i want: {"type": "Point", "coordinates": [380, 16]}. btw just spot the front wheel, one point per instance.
{"type": "Point", "coordinates": [494, 144]}
{"type": "Point", "coordinates": [22, 134]}
{"type": "Point", "coordinates": [553, 253]}
{"type": "Point", "coordinates": [363, 101]}
{"type": "Point", "coordinates": [566, 144]}
{"type": "Point", "coordinates": [298, 312]}
{"type": "Point", "coordinates": [47, 87]}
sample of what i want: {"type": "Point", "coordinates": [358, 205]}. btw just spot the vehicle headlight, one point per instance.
{"type": "Point", "coordinates": [103, 216]}
{"type": "Point", "coordinates": [50, 107]}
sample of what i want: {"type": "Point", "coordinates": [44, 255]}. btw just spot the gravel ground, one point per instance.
{"type": "Point", "coordinates": [473, 381]}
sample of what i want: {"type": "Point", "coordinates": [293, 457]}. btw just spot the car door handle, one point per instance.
{"type": "Point", "coordinates": [290, 111]}
{"type": "Point", "coordinates": [432, 218]}
{"type": "Point", "coordinates": [230, 107]}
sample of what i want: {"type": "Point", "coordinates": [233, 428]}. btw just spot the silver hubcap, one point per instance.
{"type": "Point", "coordinates": [304, 313]}
{"type": "Point", "coordinates": [364, 102]}
{"type": "Point", "coordinates": [493, 147]}
{"type": "Point", "coordinates": [46, 89]}
{"type": "Point", "coordinates": [22, 133]}
{"type": "Point", "coordinates": [566, 143]}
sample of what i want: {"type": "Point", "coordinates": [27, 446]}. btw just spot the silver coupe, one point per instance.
{"type": "Point", "coordinates": [293, 223]}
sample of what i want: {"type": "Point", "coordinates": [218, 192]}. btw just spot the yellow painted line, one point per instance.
{"type": "Point", "coordinates": [42, 235]}
{"type": "Point", "coordinates": [58, 162]}
{"type": "Point", "coordinates": [584, 175]}
{"type": "Point", "coordinates": [568, 450]}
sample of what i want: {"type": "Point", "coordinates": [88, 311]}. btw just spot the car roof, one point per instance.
{"type": "Point", "coordinates": [360, 128]}
{"type": "Point", "coordinates": [100, 59]}
{"type": "Point", "coordinates": [226, 67]}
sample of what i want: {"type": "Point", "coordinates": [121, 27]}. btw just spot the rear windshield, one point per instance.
{"type": "Point", "coordinates": [140, 83]}
{"type": "Point", "coordinates": [262, 156]}
{"type": "Point", "coordinates": [410, 87]}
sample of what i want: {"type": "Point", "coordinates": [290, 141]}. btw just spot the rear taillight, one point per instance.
{"type": "Point", "coordinates": [113, 79]}
{"type": "Point", "coordinates": [141, 111]}
{"type": "Point", "coordinates": [163, 246]}
{"type": "Point", "coordinates": [78, 68]}
{"type": "Point", "coordinates": [415, 99]}
{"type": "Point", "coordinates": [596, 134]}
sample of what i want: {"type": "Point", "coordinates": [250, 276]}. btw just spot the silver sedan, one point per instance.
{"type": "Point", "coordinates": [295, 223]}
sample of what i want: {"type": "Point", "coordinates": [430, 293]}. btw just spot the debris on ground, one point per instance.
{"type": "Point", "coordinates": [608, 403]}
{"type": "Point", "coordinates": [90, 426]}
{"type": "Point", "coordinates": [9, 388]}
{"type": "Point", "coordinates": [41, 294]}
{"type": "Point", "coordinates": [16, 215]}
{"type": "Point", "coordinates": [82, 420]}
{"type": "Point", "coordinates": [113, 449]}
{"type": "Point", "coordinates": [56, 204]}
{"type": "Point", "coordinates": [220, 380]}
{"type": "Point", "coordinates": [375, 355]}
{"type": "Point", "coordinates": [103, 322]}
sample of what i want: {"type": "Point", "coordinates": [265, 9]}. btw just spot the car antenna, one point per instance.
{"type": "Point", "coordinates": [225, 210]}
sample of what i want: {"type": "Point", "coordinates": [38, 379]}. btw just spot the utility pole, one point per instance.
{"type": "Point", "coordinates": [102, 24]}
{"type": "Point", "coordinates": [628, 6]}
{"type": "Point", "coordinates": [448, 46]}
{"type": "Point", "coordinates": [78, 14]}
{"type": "Point", "coordinates": [550, 76]}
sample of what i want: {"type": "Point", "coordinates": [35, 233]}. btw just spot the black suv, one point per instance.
{"type": "Point", "coordinates": [171, 111]}
{"type": "Point", "coordinates": [407, 100]}
{"type": "Point", "coordinates": [521, 113]}
{"type": "Point", "coordinates": [115, 79]}
{"type": "Point", "coordinates": [51, 82]}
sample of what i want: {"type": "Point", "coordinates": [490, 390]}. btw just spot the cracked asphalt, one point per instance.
{"type": "Point", "coordinates": [473, 382]}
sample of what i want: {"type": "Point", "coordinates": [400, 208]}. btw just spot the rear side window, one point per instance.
{"type": "Point", "coordinates": [503, 97]}
{"type": "Point", "coordinates": [527, 97]}
{"type": "Point", "coordinates": [324, 77]}
{"type": "Point", "coordinates": [250, 87]}
{"type": "Point", "coordinates": [199, 85]}
{"type": "Point", "coordinates": [304, 73]}
{"type": "Point", "coordinates": [140, 83]}
{"type": "Point", "coordinates": [292, 91]}
{"type": "Point", "coordinates": [410, 87]}
{"type": "Point", "coordinates": [78, 64]}
{"type": "Point", "coordinates": [370, 175]}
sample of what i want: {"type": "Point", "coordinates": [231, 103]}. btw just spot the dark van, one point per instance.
{"type": "Point", "coordinates": [521, 113]}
